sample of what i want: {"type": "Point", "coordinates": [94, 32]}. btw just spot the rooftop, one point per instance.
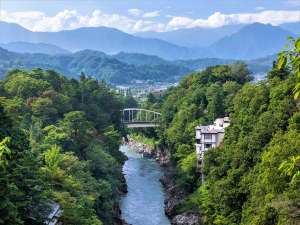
{"type": "Point", "coordinates": [218, 127]}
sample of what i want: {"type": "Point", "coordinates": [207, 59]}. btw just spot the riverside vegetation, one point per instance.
{"type": "Point", "coordinates": [253, 178]}
{"type": "Point", "coordinates": [59, 141]}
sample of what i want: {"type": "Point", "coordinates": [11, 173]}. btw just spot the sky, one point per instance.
{"type": "Point", "coordinates": [146, 15]}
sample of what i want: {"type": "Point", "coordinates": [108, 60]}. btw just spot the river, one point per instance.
{"type": "Point", "coordinates": [144, 202]}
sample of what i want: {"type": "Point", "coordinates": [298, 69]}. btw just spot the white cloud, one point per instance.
{"type": "Point", "coordinates": [218, 19]}
{"type": "Point", "coordinates": [151, 14]}
{"type": "Point", "coordinates": [180, 22]}
{"type": "Point", "coordinates": [71, 19]}
{"type": "Point", "coordinates": [142, 25]}
{"type": "Point", "coordinates": [135, 12]}
{"type": "Point", "coordinates": [66, 20]}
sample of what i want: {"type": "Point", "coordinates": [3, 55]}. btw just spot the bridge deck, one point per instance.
{"type": "Point", "coordinates": [141, 125]}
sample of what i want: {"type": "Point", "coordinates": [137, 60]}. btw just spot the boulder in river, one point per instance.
{"type": "Point", "coordinates": [186, 219]}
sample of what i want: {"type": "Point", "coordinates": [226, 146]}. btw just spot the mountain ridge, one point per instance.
{"type": "Point", "coordinates": [123, 68]}
{"type": "Point", "coordinates": [236, 45]}
{"type": "Point", "coordinates": [28, 47]}
{"type": "Point", "coordinates": [253, 41]}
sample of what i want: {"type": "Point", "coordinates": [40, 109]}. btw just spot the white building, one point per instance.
{"type": "Point", "coordinates": [210, 136]}
{"type": "Point", "coordinates": [54, 214]}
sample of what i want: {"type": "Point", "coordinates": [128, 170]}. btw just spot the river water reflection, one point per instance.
{"type": "Point", "coordinates": [144, 202]}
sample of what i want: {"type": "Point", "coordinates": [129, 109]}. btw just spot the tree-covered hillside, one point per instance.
{"type": "Point", "coordinates": [96, 64]}
{"type": "Point", "coordinates": [253, 178]}
{"type": "Point", "coordinates": [59, 143]}
{"type": "Point", "coordinates": [123, 68]}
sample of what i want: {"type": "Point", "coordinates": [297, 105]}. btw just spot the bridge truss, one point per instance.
{"type": "Point", "coordinates": [136, 117]}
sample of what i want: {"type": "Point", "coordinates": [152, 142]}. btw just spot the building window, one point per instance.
{"type": "Point", "coordinates": [198, 141]}
{"type": "Point", "coordinates": [207, 136]}
{"type": "Point", "coordinates": [207, 145]}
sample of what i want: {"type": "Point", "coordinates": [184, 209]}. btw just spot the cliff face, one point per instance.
{"type": "Point", "coordinates": [174, 197]}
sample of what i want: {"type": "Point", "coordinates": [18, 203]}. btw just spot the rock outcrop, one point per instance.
{"type": "Point", "coordinates": [186, 219]}
{"type": "Point", "coordinates": [174, 197]}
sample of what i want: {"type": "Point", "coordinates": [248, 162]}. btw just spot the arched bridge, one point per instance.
{"type": "Point", "coordinates": [135, 118]}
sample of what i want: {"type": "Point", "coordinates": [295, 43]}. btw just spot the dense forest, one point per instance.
{"type": "Point", "coordinates": [253, 178]}
{"type": "Point", "coordinates": [123, 68]}
{"type": "Point", "coordinates": [59, 138]}
{"type": "Point", "coordinates": [59, 141]}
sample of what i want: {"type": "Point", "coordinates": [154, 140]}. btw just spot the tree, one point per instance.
{"type": "Point", "coordinates": [215, 106]}
{"type": "Point", "coordinates": [5, 152]}
{"type": "Point", "coordinates": [23, 85]}
{"type": "Point", "coordinates": [290, 59]}
{"type": "Point", "coordinates": [44, 109]}
{"type": "Point", "coordinates": [63, 148]}
{"type": "Point", "coordinates": [52, 158]}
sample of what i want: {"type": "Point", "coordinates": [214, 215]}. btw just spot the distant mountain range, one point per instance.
{"type": "Point", "coordinates": [232, 42]}
{"type": "Point", "coordinates": [27, 47]}
{"type": "Point", "coordinates": [204, 37]}
{"type": "Point", "coordinates": [193, 37]}
{"type": "Point", "coordinates": [108, 40]}
{"type": "Point", "coordinates": [122, 68]}
{"type": "Point", "coordinates": [252, 41]}
{"type": "Point", "coordinates": [292, 27]}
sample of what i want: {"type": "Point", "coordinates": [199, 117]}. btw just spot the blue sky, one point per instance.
{"type": "Point", "coordinates": [146, 15]}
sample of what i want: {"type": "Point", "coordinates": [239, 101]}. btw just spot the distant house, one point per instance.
{"type": "Point", "coordinates": [210, 136]}
{"type": "Point", "coordinates": [54, 214]}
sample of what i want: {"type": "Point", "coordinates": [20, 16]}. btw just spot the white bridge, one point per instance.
{"type": "Point", "coordinates": [136, 118]}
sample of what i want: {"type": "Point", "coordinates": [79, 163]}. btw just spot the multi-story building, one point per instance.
{"type": "Point", "coordinates": [210, 136]}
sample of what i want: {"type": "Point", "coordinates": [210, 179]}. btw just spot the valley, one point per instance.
{"type": "Point", "coordinates": [149, 113]}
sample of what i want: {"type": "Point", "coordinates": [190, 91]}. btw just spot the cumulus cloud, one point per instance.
{"type": "Point", "coordinates": [135, 12]}
{"type": "Point", "coordinates": [142, 26]}
{"type": "Point", "coordinates": [66, 20]}
{"type": "Point", "coordinates": [72, 19]}
{"type": "Point", "coordinates": [218, 19]}
{"type": "Point", "coordinates": [151, 14]}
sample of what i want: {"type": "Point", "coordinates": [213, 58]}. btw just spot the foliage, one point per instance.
{"type": "Point", "coordinates": [253, 177]}
{"type": "Point", "coordinates": [5, 152]}
{"type": "Point", "coordinates": [290, 59]}
{"type": "Point", "coordinates": [143, 139]}
{"type": "Point", "coordinates": [97, 64]}
{"type": "Point", "coordinates": [199, 99]}
{"type": "Point", "coordinates": [59, 142]}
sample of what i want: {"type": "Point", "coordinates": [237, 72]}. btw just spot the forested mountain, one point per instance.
{"type": "Point", "coordinates": [59, 141]}
{"type": "Point", "coordinates": [252, 41]}
{"type": "Point", "coordinates": [253, 177]}
{"type": "Point", "coordinates": [140, 59]}
{"type": "Point", "coordinates": [93, 63]}
{"type": "Point", "coordinates": [123, 68]}
{"type": "Point", "coordinates": [27, 47]}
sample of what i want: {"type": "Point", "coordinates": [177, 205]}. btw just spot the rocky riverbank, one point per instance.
{"type": "Point", "coordinates": [148, 151]}
{"type": "Point", "coordinates": [174, 195]}
{"type": "Point", "coordinates": [117, 211]}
